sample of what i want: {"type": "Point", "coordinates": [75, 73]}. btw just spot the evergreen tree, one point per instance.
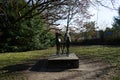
{"type": "Point", "coordinates": [116, 24]}
{"type": "Point", "coordinates": [116, 28]}
{"type": "Point", "coordinates": [27, 34]}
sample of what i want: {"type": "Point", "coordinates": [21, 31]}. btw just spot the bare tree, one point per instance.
{"type": "Point", "coordinates": [110, 4]}
{"type": "Point", "coordinates": [54, 10]}
{"type": "Point", "coordinates": [50, 10]}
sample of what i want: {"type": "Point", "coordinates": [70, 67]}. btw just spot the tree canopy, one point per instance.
{"type": "Point", "coordinates": [24, 23]}
{"type": "Point", "coordinates": [116, 23]}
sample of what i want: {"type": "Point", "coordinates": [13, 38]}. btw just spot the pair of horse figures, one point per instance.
{"type": "Point", "coordinates": [62, 43]}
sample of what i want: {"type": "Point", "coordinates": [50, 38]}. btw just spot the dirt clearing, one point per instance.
{"type": "Point", "coordinates": [89, 69]}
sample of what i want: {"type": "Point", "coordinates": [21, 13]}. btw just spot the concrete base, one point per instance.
{"type": "Point", "coordinates": [63, 61]}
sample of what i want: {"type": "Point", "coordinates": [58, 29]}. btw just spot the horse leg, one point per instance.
{"type": "Point", "coordinates": [67, 46]}
{"type": "Point", "coordinates": [58, 49]}
{"type": "Point", "coordinates": [62, 48]}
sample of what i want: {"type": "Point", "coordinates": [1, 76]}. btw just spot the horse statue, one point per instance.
{"type": "Point", "coordinates": [58, 41]}
{"type": "Point", "coordinates": [62, 44]}
{"type": "Point", "coordinates": [66, 44]}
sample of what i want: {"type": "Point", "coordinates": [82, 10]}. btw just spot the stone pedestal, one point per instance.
{"type": "Point", "coordinates": [63, 61]}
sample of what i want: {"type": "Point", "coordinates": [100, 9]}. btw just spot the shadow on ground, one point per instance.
{"type": "Point", "coordinates": [89, 69]}
{"type": "Point", "coordinates": [15, 68]}
{"type": "Point", "coordinates": [42, 66]}
{"type": "Point", "coordinates": [39, 66]}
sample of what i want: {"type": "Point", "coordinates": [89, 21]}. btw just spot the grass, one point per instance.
{"type": "Point", "coordinates": [13, 58]}
{"type": "Point", "coordinates": [106, 53]}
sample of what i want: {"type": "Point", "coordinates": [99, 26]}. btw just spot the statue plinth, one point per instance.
{"type": "Point", "coordinates": [63, 61]}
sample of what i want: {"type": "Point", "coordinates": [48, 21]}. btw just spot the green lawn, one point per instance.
{"type": "Point", "coordinates": [111, 54]}
{"type": "Point", "coordinates": [13, 58]}
{"type": "Point", "coordinates": [108, 54]}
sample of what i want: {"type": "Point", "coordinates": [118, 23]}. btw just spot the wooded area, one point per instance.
{"type": "Point", "coordinates": [25, 24]}
{"type": "Point", "coordinates": [28, 26]}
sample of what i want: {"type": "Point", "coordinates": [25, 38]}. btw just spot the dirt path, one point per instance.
{"type": "Point", "coordinates": [89, 69]}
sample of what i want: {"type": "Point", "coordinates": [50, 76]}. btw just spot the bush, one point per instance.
{"type": "Point", "coordinates": [28, 35]}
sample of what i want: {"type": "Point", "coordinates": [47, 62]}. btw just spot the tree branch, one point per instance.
{"type": "Point", "coordinates": [33, 8]}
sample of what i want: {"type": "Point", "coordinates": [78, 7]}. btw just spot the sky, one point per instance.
{"type": "Point", "coordinates": [105, 16]}
{"type": "Point", "coordinates": [101, 15]}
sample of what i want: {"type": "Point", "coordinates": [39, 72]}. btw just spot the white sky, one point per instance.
{"type": "Point", "coordinates": [104, 19]}
{"type": "Point", "coordinates": [105, 16]}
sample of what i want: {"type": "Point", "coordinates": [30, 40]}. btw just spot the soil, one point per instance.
{"type": "Point", "coordinates": [89, 69]}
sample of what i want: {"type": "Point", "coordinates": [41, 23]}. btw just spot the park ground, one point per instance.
{"type": "Point", "coordinates": [95, 63]}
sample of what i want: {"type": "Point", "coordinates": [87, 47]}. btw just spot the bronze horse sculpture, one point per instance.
{"type": "Point", "coordinates": [62, 44]}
